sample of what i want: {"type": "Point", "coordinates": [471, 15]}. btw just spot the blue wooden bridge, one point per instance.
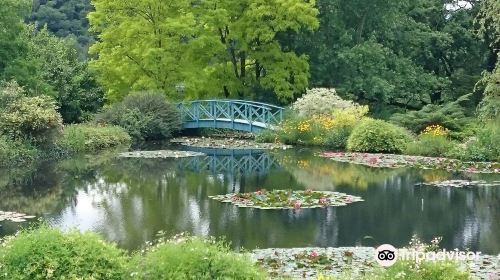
{"type": "Point", "coordinates": [233, 114]}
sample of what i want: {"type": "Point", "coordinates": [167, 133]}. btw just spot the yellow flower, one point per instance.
{"type": "Point", "coordinates": [436, 130]}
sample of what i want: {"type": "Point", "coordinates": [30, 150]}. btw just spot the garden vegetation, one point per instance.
{"type": "Point", "coordinates": [47, 253]}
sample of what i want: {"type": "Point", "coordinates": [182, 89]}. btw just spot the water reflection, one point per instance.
{"type": "Point", "coordinates": [129, 200]}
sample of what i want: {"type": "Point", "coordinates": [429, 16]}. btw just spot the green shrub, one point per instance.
{"type": "Point", "coordinates": [424, 270]}
{"type": "Point", "coordinates": [451, 115]}
{"type": "Point", "coordinates": [80, 138]}
{"type": "Point", "coordinates": [485, 146]}
{"type": "Point", "coordinates": [193, 258]}
{"type": "Point", "coordinates": [378, 136]}
{"type": "Point", "coordinates": [430, 145]}
{"type": "Point", "coordinates": [9, 92]}
{"type": "Point", "coordinates": [337, 137]}
{"type": "Point", "coordinates": [145, 116]}
{"type": "Point", "coordinates": [16, 153]}
{"type": "Point", "coordinates": [51, 254]}
{"type": "Point", "coordinates": [32, 118]}
{"type": "Point", "coordinates": [266, 136]}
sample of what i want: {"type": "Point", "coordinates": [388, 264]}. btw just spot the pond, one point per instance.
{"type": "Point", "coordinates": [130, 200]}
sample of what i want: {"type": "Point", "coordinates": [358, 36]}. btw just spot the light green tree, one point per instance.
{"type": "Point", "coordinates": [210, 47]}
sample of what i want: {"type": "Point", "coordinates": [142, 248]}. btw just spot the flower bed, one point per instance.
{"type": "Point", "coordinates": [398, 161]}
{"type": "Point", "coordinates": [287, 199]}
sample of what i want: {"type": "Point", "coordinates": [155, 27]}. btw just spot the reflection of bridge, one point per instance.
{"type": "Point", "coordinates": [234, 114]}
{"type": "Point", "coordinates": [226, 161]}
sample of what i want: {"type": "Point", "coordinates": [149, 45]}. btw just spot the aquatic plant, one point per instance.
{"type": "Point", "coordinates": [287, 199]}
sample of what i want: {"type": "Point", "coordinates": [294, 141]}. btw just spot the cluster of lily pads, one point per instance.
{"type": "Point", "coordinates": [288, 199]}
{"type": "Point", "coordinates": [14, 217]}
{"type": "Point", "coordinates": [160, 154]}
{"type": "Point", "coordinates": [308, 263]}
{"type": "Point", "coordinates": [461, 183]}
{"type": "Point", "coordinates": [398, 161]}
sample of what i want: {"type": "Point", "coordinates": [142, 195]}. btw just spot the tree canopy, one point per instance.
{"type": "Point", "coordinates": [394, 54]}
{"type": "Point", "coordinates": [217, 48]}
{"type": "Point", "coordinates": [65, 19]}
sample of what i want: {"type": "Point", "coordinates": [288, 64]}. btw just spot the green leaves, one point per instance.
{"type": "Point", "coordinates": [213, 47]}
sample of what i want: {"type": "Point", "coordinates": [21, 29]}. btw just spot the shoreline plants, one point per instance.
{"type": "Point", "coordinates": [47, 253]}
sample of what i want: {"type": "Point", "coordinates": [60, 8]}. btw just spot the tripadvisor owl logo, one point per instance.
{"type": "Point", "coordinates": [386, 255]}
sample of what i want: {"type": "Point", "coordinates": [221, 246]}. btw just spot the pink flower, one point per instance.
{"type": "Point", "coordinates": [472, 169]}
{"type": "Point", "coordinates": [373, 160]}
{"type": "Point", "coordinates": [348, 199]}
{"type": "Point", "coordinates": [324, 201]}
{"type": "Point", "coordinates": [259, 192]}
{"type": "Point", "coordinates": [314, 254]}
{"type": "Point", "coordinates": [297, 204]}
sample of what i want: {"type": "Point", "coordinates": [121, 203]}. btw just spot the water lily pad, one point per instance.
{"type": "Point", "coordinates": [14, 217]}
{"type": "Point", "coordinates": [287, 199]}
{"type": "Point", "coordinates": [398, 161]}
{"type": "Point", "coordinates": [160, 154]}
{"type": "Point", "coordinates": [309, 263]}
{"type": "Point", "coordinates": [461, 184]}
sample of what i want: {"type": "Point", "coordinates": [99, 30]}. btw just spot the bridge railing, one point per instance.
{"type": "Point", "coordinates": [253, 113]}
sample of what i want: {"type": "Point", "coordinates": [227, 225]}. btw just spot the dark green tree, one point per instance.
{"type": "Point", "coordinates": [66, 19]}
{"type": "Point", "coordinates": [394, 55]}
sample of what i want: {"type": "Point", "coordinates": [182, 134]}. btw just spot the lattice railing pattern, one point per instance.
{"type": "Point", "coordinates": [246, 164]}
{"type": "Point", "coordinates": [241, 111]}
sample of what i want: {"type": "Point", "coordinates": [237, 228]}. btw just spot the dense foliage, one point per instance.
{"type": "Point", "coordinates": [46, 65]}
{"type": "Point", "coordinates": [80, 138]}
{"type": "Point", "coordinates": [489, 28]}
{"type": "Point", "coordinates": [144, 115]}
{"type": "Point", "coordinates": [31, 118]}
{"type": "Point", "coordinates": [450, 115]}
{"type": "Point", "coordinates": [16, 153]}
{"type": "Point", "coordinates": [193, 258]}
{"type": "Point", "coordinates": [425, 270]}
{"type": "Point", "coordinates": [66, 19]}
{"type": "Point", "coordinates": [378, 136]}
{"type": "Point", "coordinates": [484, 147]}
{"type": "Point", "coordinates": [217, 48]}
{"type": "Point", "coordinates": [430, 145]}
{"type": "Point", "coordinates": [395, 55]}
{"type": "Point", "coordinates": [51, 254]}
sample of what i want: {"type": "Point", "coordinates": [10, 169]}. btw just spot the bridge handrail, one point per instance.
{"type": "Point", "coordinates": [239, 101]}
{"type": "Point", "coordinates": [256, 114]}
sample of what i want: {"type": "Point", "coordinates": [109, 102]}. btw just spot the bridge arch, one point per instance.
{"type": "Point", "coordinates": [242, 115]}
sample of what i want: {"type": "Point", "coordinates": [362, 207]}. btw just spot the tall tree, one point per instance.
{"type": "Point", "coordinates": [11, 25]}
{"type": "Point", "coordinates": [65, 19]}
{"type": "Point", "coordinates": [45, 64]}
{"type": "Point", "coordinates": [51, 67]}
{"type": "Point", "coordinates": [225, 48]}
{"type": "Point", "coordinates": [394, 54]}
{"type": "Point", "coordinates": [489, 27]}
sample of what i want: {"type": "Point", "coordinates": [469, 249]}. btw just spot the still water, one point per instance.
{"type": "Point", "coordinates": [130, 200]}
